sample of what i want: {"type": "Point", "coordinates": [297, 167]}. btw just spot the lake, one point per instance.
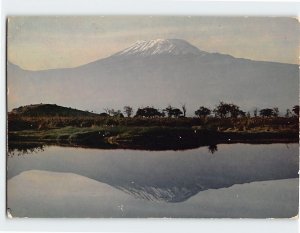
{"type": "Point", "coordinates": [226, 180]}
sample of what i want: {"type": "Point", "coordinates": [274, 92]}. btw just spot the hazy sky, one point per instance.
{"type": "Point", "coordinates": [38, 43]}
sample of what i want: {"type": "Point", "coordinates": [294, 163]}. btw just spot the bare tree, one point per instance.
{"type": "Point", "coordinates": [288, 113]}
{"type": "Point", "coordinates": [106, 110]}
{"type": "Point", "coordinates": [255, 112]}
{"type": "Point", "coordinates": [112, 112]}
{"type": "Point", "coordinates": [296, 110]}
{"type": "Point", "coordinates": [275, 112]}
{"type": "Point", "coordinates": [128, 111]}
{"type": "Point", "coordinates": [168, 110]}
{"type": "Point", "coordinates": [183, 106]}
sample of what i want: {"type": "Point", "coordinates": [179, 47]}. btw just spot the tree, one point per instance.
{"type": "Point", "coordinates": [106, 110]}
{"type": "Point", "coordinates": [248, 115]}
{"type": "Point", "coordinates": [288, 113]}
{"type": "Point", "coordinates": [183, 109]}
{"type": "Point", "coordinates": [275, 112]}
{"type": "Point", "coordinates": [114, 113]}
{"type": "Point", "coordinates": [203, 112]}
{"type": "Point", "coordinates": [148, 112]}
{"type": "Point", "coordinates": [119, 114]}
{"type": "Point", "coordinates": [228, 110]}
{"type": "Point", "coordinates": [255, 112]}
{"type": "Point", "coordinates": [235, 111]}
{"type": "Point", "coordinates": [111, 112]}
{"type": "Point", "coordinates": [168, 110]}
{"type": "Point", "coordinates": [176, 112]}
{"type": "Point", "coordinates": [128, 111]}
{"type": "Point", "coordinates": [266, 112]}
{"type": "Point", "coordinates": [242, 113]}
{"type": "Point", "coordinates": [296, 110]}
{"type": "Point", "coordinates": [222, 110]}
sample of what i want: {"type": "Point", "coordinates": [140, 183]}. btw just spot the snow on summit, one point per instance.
{"type": "Point", "coordinates": [161, 46]}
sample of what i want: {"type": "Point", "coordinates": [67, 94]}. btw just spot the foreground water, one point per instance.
{"type": "Point", "coordinates": [237, 180]}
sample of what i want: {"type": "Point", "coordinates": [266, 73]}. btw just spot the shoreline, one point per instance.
{"type": "Point", "coordinates": [146, 138]}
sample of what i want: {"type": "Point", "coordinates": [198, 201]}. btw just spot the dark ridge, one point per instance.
{"type": "Point", "coordinates": [46, 110]}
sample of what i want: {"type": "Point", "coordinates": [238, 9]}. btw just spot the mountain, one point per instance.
{"type": "Point", "coordinates": [158, 73]}
{"type": "Point", "coordinates": [49, 110]}
{"type": "Point", "coordinates": [161, 46]}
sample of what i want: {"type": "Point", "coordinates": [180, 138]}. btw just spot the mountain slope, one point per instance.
{"type": "Point", "coordinates": [159, 73]}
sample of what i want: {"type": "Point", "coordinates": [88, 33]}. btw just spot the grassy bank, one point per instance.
{"type": "Point", "coordinates": [19, 122]}
{"type": "Point", "coordinates": [150, 133]}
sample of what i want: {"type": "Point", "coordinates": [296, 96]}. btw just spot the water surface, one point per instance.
{"type": "Point", "coordinates": [166, 183]}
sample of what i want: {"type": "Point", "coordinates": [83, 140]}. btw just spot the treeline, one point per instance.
{"type": "Point", "coordinates": [223, 117]}
{"type": "Point", "coordinates": [222, 110]}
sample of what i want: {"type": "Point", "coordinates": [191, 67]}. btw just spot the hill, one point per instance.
{"type": "Point", "coordinates": [48, 110]}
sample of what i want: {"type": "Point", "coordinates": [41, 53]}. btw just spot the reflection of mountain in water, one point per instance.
{"type": "Point", "coordinates": [170, 176]}
{"type": "Point", "coordinates": [169, 194]}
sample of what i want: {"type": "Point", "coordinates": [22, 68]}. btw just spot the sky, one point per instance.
{"type": "Point", "coordinates": [41, 43]}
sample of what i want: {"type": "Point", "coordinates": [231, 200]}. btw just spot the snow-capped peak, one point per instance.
{"type": "Point", "coordinates": [161, 46]}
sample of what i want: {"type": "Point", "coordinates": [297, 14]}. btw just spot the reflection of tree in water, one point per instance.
{"type": "Point", "coordinates": [24, 148]}
{"type": "Point", "coordinates": [212, 148]}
